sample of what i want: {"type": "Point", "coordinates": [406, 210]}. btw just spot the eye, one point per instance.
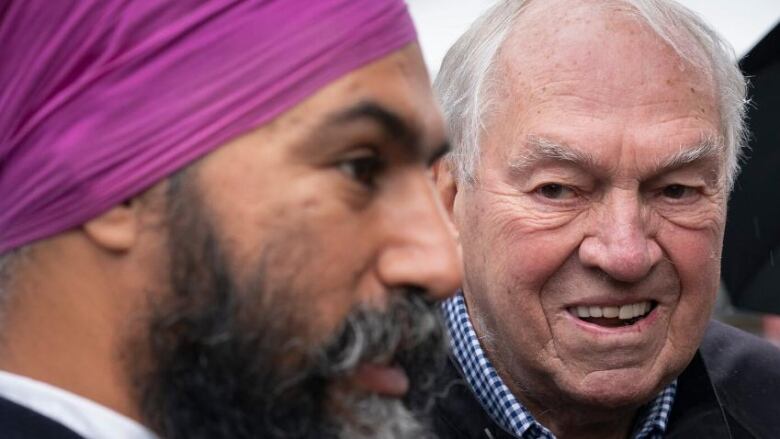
{"type": "Point", "coordinates": [364, 169]}
{"type": "Point", "coordinates": [678, 191]}
{"type": "Point", "coordinates": [555, 191]}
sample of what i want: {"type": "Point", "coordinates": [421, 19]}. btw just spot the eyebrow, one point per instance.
{"type": "Point", "coordinates": [706, 149]}
{"type": "Point", "coordinates": [393, 127]}
{"type": "Point", "coordinates": [542, 149]}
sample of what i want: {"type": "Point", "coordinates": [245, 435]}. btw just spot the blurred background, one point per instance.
{"type": "Point", "coordinates": [750, 291]}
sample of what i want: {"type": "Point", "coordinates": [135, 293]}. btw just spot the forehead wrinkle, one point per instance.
{"type": "Point", "coordinates": [540, 149]}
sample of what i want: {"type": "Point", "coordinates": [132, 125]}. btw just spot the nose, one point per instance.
{"type": "Point", "coordinates": [420, 250]}
{"type": "Point", "coordinates": [621, 240]}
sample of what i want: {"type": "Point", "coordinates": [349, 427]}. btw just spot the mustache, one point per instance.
{"type": "Point", "coordinates": [224, 357]}
{"type": "Point", "coordinates": [409, 333]}
{"type": "Point", "coordinates": [401, 334]}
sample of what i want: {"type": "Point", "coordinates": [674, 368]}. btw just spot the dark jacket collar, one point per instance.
{"type": "Point", "coordinates": [696, 411]}
{"type": "Point", "coordinates": [457, 413]}
{"type": "Point", "coordinates": [729, 390]}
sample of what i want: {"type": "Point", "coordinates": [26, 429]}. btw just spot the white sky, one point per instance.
{"type": "Point", "coordinates": [441, 22]}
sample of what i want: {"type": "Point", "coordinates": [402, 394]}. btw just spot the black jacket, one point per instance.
{"type": "Point", "coordinates": [730, 390]}
{"type": "Point", "coordinates": [18, 422]}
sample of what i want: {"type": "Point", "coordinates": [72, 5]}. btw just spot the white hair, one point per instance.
{"type": "Point", "coordinates": [465, 84]}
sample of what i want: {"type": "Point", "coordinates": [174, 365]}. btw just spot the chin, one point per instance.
{"type": "Point", "coordinates": [616, 389]}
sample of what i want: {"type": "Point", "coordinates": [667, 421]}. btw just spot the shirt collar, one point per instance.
{"type": "Point", "coordinates": [83, 416]}
{"type": "Point", "coordinates": [499, 402]}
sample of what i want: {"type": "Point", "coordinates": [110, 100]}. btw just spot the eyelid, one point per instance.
{"type": "Point", "coordinates": [574, 197]}
{"type": "Point", "coordinates": [685, 176]}
{"type": "Point", "coordinates": [364, 167]}
{"type": "Point", "coordinates": [660, 186]}
{"type": "Point", "coordinates": [358, 151]}
{"type": "Point", "coordinates": [692, 194]}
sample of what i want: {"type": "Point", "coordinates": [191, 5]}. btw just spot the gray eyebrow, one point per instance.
{"type": "Point", "coordinates": [541, 149]}
{"type": "Point", "coordinates": [707, 148]}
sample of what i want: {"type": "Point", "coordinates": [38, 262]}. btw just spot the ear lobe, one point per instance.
{"type": "Point", "coordinates": [446, 184]}
{"type": "Point", "coordinates": [116, 229]}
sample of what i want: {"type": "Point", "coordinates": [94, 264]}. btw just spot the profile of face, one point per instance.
{"type": "Point", "coordinates": [591, 233]}
{"type": "Point", "coordinates": [304, 263]}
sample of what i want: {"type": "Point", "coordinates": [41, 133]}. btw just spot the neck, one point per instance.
{"type": "Point", "coordinates": [63, 325]}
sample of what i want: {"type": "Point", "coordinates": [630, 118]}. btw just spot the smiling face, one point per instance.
{"type": "Point", "coordinates": [591, 237]}
{"type": "Point", "coordinates": [300, 256]}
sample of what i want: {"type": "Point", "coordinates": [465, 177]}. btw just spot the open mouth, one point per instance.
{"type": "Point", "coordinates": [614, 316]}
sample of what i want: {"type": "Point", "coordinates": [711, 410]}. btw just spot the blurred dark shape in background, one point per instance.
{"type": "Point", "coordinates": [751, 253]}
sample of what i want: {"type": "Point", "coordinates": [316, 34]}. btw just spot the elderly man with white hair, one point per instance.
{"type": "Point", "coordinates": [594, 147]}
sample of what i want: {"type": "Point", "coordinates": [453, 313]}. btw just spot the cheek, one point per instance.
{"type": "Point", "coordinates": [335, 278]}
{"type": "Point", "coordinates": [695, 255]}
{"type": "Point", "coordinates": [509, 258]}
{"type": "Point", "coordinates": [513, 245]}
{"type": "Point", "coordinates": [310, 266]}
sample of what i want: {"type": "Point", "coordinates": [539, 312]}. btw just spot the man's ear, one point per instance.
{"type": "Point", "coordinates": [115, 230]}
{"type": "Point", "coordinates": [446, 184]}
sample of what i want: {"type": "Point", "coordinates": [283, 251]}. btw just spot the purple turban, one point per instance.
{"type": "Point", "coordinates": [100, 99]}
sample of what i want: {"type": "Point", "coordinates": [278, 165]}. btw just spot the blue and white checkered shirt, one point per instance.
{"type": "Point", "coordinates": [501, 404]}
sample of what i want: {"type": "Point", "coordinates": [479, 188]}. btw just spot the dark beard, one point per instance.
{"type": "Point", "coordinates": [228, 361]}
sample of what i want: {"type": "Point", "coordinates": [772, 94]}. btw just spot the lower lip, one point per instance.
{"type": "Point", "coordinates": [384, 380]}
{"type": "Point", "coordinates": [640, 326]}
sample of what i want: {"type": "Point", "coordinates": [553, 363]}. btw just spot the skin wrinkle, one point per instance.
{"type": "Point", "coordinates": [535, 222]}
{"type": "Point", "coordinates": [620, 131]}
{"type": "Point", "coordinates": [542, 148]}
{"type": "Point", "coordinates": [554, 340]}
{"type": "Point", "coordinates": [692, 40]}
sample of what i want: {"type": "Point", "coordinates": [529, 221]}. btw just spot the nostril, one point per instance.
{"type": "Point", "coordinates": [420, 270]}
{"type": "Point", "coordinates": [625, 260]}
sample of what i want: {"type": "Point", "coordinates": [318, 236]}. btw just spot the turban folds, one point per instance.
{"type": "Point", "coordinates": [101, 99]}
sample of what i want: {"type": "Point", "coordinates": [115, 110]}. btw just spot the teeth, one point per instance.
{"type": "Point", "coordinates": [610, 312]}
{"type": "Point", "coordinates": [625, 312]}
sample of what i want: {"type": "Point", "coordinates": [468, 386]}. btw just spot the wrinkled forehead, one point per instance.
{"type": "Point", "coordinates": [601, 79]}
{"type": "Point", "coordinates": [599, 62]}
{"type": "Point", "coordinates": [605, 41]}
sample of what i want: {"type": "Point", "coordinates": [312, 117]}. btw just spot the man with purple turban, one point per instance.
{"type": "Point", "coordinates": [216, 220]}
